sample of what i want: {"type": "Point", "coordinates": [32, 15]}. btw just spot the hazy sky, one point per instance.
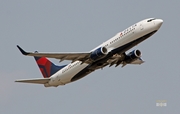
{"type": "Point", "coordinates": [75, 26]}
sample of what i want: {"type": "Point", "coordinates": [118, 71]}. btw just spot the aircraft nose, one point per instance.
{"type": "Point", "coordinates": [159, 22]}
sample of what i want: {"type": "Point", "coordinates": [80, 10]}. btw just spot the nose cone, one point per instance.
{"type": "Point", "coordinates": [158, 22]}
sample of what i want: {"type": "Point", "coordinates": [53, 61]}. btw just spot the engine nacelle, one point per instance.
{"type": "Point", "coordinates": [132, 56]}
{"type": "Point", "coordinates": [98, 53]}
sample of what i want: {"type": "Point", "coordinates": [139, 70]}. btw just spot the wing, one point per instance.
{"type": "Point", "coordinates": [35, 80]}
{"type": "Point", "coordinates": [62, 56]}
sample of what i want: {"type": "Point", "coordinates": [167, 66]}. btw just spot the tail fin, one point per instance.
{"type": "Point", "coordinates": [46, 67]}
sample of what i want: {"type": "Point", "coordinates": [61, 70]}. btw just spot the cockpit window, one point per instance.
{"type": "Point", "coordinates": [150, 20]}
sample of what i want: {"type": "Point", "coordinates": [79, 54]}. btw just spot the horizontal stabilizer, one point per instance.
{"type": "Point", "coordinates": [35, 80]}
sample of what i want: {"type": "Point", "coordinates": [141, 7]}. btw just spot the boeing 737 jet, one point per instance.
{"type": "Point", "coordinates": [112, 52]}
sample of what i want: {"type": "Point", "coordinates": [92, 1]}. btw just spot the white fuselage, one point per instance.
{"type": "Point", "coordinates": [130, 34]}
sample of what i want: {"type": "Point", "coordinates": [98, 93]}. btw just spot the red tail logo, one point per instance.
{"type": "Point", "coordinates": [46, 67]}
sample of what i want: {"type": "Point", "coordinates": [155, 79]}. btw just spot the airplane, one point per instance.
{"type": "Point", "coordinates": [112, 52]}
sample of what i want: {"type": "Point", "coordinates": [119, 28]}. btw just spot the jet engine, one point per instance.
{"type": "Point", "coordinates": [132, 56]}
{"type": "Point", "coordinates": [98, 53]}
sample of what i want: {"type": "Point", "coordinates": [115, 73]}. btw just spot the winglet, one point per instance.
{"type": "Point", "coordinates": [22, 51]}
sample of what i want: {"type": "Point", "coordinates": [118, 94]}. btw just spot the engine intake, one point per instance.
{"type": "Point", "coordinates": [132, 56]}
{"type": "Point", "coordinates": [98, 53]}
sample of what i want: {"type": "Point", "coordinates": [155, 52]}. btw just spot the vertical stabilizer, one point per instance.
{"type": "Point", "coordinates": [46, 67]}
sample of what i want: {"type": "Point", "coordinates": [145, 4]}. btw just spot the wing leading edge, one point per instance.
{"type": "Point", "coordinates": [62, 56]}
